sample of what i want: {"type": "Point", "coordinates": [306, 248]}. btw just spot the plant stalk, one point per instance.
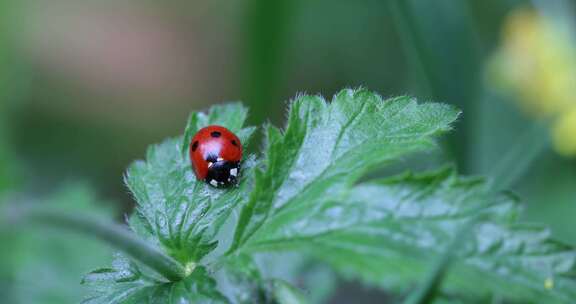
{"type": "Point", "coordinates": [112, 234]}
{"type": "Point", "coordinates": [519, 157]}
{"type": "Point", "coordinates": [435, 277]}
{"type": "Point", "coordinates": [413, 44]}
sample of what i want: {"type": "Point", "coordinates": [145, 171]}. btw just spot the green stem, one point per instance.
{"type": "Point", "coordinates": [515, 162]}
{"type": "Point", "coordinates": [267, 27]}
{"type": "Point", "coordinates": [412, 43]}
{"type": "Point", "coordinates": [113, 234]}
{"type": "Point", "coordinates": [519, 158]}
{"type": "Point", "coordinates": [429, 289]}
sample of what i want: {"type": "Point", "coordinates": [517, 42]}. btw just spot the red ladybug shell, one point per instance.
{"type": "Point", "coordinates": [216, 153]}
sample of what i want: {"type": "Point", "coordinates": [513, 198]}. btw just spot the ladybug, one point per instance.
{"type": "Point", "coordinates": [216, 153]}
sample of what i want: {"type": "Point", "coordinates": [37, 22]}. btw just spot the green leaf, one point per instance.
{"type": "Point", "coordinates": [174, 209]}
{"type": "Point", "coordinates": [128, 283]}
{"type": "Point", "coordinates": [239, 279]}
{"type": "Point", "coordinates": [244, 279]}
{"type": "Point", "coordinates": [305, 195]}
{"type": "Point", "coordinates": [327, 147]}
{"type": "Point", "coordinates": [386, 232]}
{"type": "Point", "coordinates": [285, 293]}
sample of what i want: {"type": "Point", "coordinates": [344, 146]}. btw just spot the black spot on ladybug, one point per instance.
{"type": "Point", "coordinates": [234, 142]}
{"type": "Point", "coordinates": [215, 134]}
{"type": "Point", "coordinates": [194, 146]}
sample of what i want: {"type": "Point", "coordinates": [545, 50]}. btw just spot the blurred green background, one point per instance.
{"type": "Point", "coordinates": [85, 86]}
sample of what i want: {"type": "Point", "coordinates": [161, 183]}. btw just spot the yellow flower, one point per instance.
{"type": "Point", "coordinates": [564, 133]}
{"type": "Point", "coordinates": [537, 62]}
